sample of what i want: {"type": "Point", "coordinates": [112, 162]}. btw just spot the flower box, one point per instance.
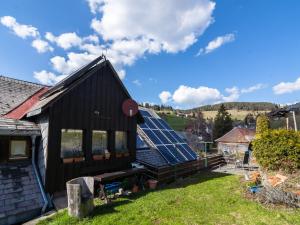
{"type": "Point", "coordinates": [78, 159]}
{"type": "Point", "coordinates": [119, 155]}
{"type": "Point", "coordinates": [68, 160]}
{"type": "Point", "coordinates": [98, 157]}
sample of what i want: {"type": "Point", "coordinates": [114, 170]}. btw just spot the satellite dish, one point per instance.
{"type": "Point", "coordinates": [130, 107]}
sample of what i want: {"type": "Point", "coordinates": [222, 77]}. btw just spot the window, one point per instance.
{"type": "Point", "coordinates": [99, 144]}
{"type": "Point", "coordinates": [121, 141]}
{"type": "Point", "coordinates": [18, 149]}
{"type": "Point", "coordinates": [71, 143]}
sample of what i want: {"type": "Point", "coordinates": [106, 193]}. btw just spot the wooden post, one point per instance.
{"type": "Point", "coordinates": [295, 122]}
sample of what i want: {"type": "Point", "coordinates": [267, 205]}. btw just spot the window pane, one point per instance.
{"type": "Point", "coordinates": [99, 144]}
{"type": "Point", "coordinates": [71, 143]}
{"type": "Point", "coordinates": [18, 148]}
{"type": "Point", "coordinates": [121, 141]}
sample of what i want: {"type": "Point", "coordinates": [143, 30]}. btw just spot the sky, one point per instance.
{"type": "Point", "coordinates": [179, 53]}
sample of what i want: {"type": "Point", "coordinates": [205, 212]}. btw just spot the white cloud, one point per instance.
{"type": "Point", "coordinates": [252, 88]}
{"type": "Point", "coordinates": [41, 46]}
{"type": "Point", "coordinates": [137, 83]}
{"type": "Point", "coordinates": [48, 78]}
{"type": "Point", "coordinates": [287, 87]}
{"type": "Point", "coordinates": [216, 43]}
{"type": "Point", "coordinates": [234, 94]}
{"type": "Point", "coordinates": [165, 96]}
{"type": "Point", "coordinates": [95, 5]}
{"type": "Point", "coordinates": [186, 96]}
{"type": "Point", "coordinates": [20, 30]}
{"type": "Point", "coordinates": [170, 25]}
{"type": "Point", "coordinates": [65, 40]}
{"type": "Point", "coordinates": [73, 62]}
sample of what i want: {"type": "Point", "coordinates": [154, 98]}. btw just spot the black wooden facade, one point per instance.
{"type": "Point", "coordinates": [94, 102]}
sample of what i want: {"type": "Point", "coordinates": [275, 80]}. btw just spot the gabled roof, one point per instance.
{"type": "Point", "coordinates": [238, 135]}
{"type": "Point", "coordinates": [61, 88]}
{"type": "Point", "coordinates": [14, 92]}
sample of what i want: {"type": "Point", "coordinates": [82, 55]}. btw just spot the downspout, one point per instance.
{"type": "Point", "coordinates": [45, 199]}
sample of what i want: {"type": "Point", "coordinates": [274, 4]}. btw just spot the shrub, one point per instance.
{"type": "Point", "coordinates": [278, 149]}
{"type": "Point", "coordinates": [262, 124]}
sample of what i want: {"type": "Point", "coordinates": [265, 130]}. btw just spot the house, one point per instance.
{"type": "Point", "coordinates": [235, 141]}
{"type": "Point", "coordinates": [84, 125]}
{"type": "Point", "coordinates": [161, 150]}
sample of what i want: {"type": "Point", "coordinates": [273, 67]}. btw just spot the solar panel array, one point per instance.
{"type": "Point", "coordinates": [172, 147]}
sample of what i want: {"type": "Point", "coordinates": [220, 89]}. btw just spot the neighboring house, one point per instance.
{"type": "Point", "coordinates": [235, 141]}
{"type": "Point", "coordinates": [49, 135]}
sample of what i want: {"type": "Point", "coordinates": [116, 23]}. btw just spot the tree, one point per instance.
{"type": "Point", "coordinates": [262, 124]}
{"type": "Point", "coordinates": [222, 122]}
{"type": "Point", "coordinates": [199, 126]}
{"type": "Point", "coordinates": [249, 121]}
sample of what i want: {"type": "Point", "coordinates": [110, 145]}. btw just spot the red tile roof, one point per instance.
{"type": "Point", "coordinates": [238, 135]}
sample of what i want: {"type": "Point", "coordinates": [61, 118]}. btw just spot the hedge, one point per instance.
{"type": "Point", "coordinates": [278, 149]}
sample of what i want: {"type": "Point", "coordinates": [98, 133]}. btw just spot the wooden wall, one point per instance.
{"type": "Point", "coordinates": [100, 92]}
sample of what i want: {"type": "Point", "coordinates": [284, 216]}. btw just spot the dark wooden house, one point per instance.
{"type": "Point", "coordinates": [82, 128]}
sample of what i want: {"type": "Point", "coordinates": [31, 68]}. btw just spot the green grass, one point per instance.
{"type": "Point", "coordinates": [205, 198]}
{"type": "Point", "coordinates": [177, 123]}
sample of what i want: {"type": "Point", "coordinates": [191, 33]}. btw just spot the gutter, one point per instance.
{"type": "Point", "coordinates": [45, 199]}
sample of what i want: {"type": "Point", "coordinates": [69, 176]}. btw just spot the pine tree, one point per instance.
{"type": "Point", "coordinates": [222, 122]}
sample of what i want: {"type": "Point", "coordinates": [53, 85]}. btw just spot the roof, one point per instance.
{"type": "Point", "coordinates": [72, 81]}
{"type": "Point", "coordinates": [238, 135]}
{"type": "Point", "coordinates": [14, 92]}
{"type": "Point", "coordinates": [20, 193]}
{"type": "Point", "coordinates": [18, 127]}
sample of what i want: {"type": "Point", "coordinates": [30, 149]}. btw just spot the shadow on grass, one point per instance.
{"type": "Point", "coordinates": [108, 208]}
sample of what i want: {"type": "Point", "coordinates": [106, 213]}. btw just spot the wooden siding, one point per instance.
{"type": "Point", "coordinates": [95, 103]}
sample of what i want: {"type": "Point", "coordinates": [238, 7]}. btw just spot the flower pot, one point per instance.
{"type": "Point", "coordinates": [118, 155]}
{"type": "Point", "coordinates": [126, 154]}
{"type": "Point", "coordinates": [135, 189]}
{"type": "Point", "coordinates": [78, 159]}
{"type": "Point", "coordinates": [98, 157]}
{"type": "Point", "coordinates": [152, 184]}
{"type": "Point", "coordinates": [67, 160]}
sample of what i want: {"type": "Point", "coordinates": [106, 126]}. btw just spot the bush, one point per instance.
{"type": "Point", "coordinates": [262, 124]}
{"type": "Point", "coordinates": [278, 149]}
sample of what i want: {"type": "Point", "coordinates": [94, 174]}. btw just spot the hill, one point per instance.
{"type": "Point", "coordinates": [247, 106]}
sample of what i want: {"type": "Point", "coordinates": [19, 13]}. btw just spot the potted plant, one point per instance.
{"type": "Point", "coordinates": [107, 154]}
{"type": "Point", "coordinates": [119, 154]}
{"type": "Point", "coordinates": [98, 154]}
{"type": "Point", "coordinates": [67, 156]}
{"type": "Point", "coordinates": [78, 156]}
{"type": "Point", "coordinates": [126, 153]}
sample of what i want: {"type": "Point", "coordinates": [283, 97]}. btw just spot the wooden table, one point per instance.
{"type": "Point", "coordinates": [108, 177]}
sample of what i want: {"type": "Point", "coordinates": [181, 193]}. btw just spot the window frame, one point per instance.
{"type": "Point", "coordinates": [82, 144]}
{"type": "Point", "coordinates": [27, 149]}
{"type": "Point", "coordinates": [115, 141]}
{"type": "Point", "coordinates": [107, 140]}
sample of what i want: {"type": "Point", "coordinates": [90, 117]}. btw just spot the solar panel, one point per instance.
{"type": "Point", "coordinates": [152, 136]}
{"type": "Point", "coordinates": [167, 155]}
{"type": "Point", "coordinates": [170, 145]}
{"type": "Point", "coordinates": [161, 136]}
{"type": "Point", "coordinates": [140, 144]}
{"type": "Point", "coordinates": [176, 153]}
{"type": "Point", "coordinates": [145, 113]}
{"type": "Point", "coordinates": [186, 147]}
{"type": "Point", "coordinates": [157, 123]}
{"type": "Point", "coordinates": [185, 152]}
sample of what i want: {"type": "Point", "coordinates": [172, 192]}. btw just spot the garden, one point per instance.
{"type": "Point", "coordinates": [204, 198]}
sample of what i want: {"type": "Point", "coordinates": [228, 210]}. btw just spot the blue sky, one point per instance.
{"type": "Point", "coordinates": [250, 49]}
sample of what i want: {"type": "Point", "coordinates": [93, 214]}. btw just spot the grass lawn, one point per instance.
{"type": "Point", "coordinates": [177, 123]}
{"type": "Point", "coordinates": [205, 198]}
